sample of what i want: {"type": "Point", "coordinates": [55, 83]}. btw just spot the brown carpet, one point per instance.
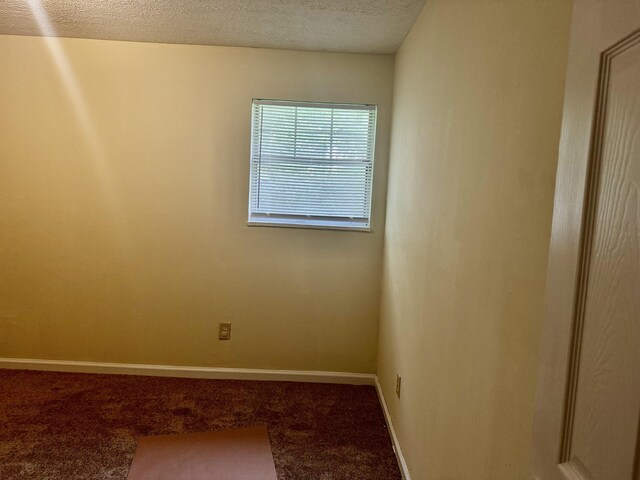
{"type": "Point", "coordinates": [82, 426]}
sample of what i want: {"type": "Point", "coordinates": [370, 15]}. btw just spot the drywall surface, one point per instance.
{"type": "Point", "coordinates": [476, 121]}
{"type": "Point", "coordinates": [124, 174]}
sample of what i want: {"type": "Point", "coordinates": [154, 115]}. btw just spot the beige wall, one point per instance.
{"type": "Point", "coordinates": [476, 121]}
{"type": "Point", "coordinates": [124, 172]}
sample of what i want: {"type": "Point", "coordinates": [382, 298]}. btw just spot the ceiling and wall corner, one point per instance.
{"type": "Point", "coordinates": [352, 26]}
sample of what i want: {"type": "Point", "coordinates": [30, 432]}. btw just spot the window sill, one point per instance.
{"type": "Point", "coordinates": [311, 226]}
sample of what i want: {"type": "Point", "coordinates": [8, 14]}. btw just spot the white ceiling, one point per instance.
{"type": "Point", "coordinates": [363, 26]}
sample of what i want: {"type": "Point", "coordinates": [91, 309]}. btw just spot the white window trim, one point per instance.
{"type": "Point", "coordinates": [352, 224]}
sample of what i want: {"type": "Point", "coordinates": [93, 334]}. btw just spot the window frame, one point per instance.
{"type": "Point", "coordinates": [318, 222]}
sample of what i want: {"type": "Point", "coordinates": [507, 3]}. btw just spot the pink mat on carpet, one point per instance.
{"type": "Point", "coordinates": [238, 454]}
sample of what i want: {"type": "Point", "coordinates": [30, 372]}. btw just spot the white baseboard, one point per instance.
{"type": "Point", "coordinates": [392, 433]}
{"type": "Point", "coordinates": [188, 372]}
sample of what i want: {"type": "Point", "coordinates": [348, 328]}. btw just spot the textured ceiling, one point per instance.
{"type": "Point", "coordinates": [364, 26]}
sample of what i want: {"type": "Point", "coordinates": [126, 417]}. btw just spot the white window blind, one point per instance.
{"type": "Point", "coordinates": [311, 164]}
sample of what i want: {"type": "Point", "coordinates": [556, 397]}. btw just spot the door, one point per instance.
{"type": "Point", "coordinates": [587, 421]}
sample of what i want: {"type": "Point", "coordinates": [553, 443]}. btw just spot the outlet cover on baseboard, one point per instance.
{"type": "Point", "coordinates": [224, 331]}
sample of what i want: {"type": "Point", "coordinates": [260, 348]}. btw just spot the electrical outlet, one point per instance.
{"type": "Point", "coordinates": [398, 384]}
{"type": "Point", "coordinates": [224, 331]}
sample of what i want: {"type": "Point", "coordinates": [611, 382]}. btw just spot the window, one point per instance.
{"type": "Point", "coordinates": [311, 164]}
